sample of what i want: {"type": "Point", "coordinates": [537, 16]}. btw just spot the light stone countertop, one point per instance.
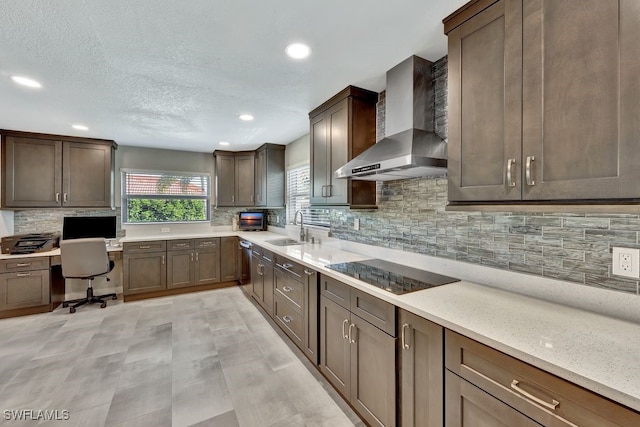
{"type": "Point", "coordinates": [596, 351]}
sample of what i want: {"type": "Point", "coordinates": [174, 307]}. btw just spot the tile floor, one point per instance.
{"type": "Point", "coordinates": [202, 359]}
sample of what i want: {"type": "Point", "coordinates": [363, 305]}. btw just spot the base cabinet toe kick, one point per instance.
{"type": "Point", "coordinates": [395, 368]}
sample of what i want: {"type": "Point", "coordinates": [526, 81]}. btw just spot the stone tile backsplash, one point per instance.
{"type": "Point", "coordinates": [411, 217]}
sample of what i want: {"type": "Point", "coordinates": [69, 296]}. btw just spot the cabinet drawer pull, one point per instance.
{"type": "Point", "coordinates": [23, 264]}
{"type": "Point", "coordinates": [344, 331]}
{"type": "Point", "coordinates": [530, 180]}
{"type": "Point", "coordinates": [208, 243]}
{"type": "Point", "coordinates": [403, 336]}
{"type": "Point", "coordinates": [553, 405]}
{"type": "Point", "coordinates": [309, 272]}
{"type": "Point", "coordinates": [182, 245]}
{"type": "Point", "coordinates": [287, 288]}
{"type": "Point", "coordinates": [287, 319]}
{"type": "Point", "coordinates": [23, 274]}
{"type": "Point", "coordinates": [144, 247]}
{"type": "Point", "coordinates": [352, 340]}
{"type": "Point", "coordinates": [511, 182]}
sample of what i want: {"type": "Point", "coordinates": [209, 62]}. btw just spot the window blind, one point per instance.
{"type": "Point", "coordinates": [298, 198]}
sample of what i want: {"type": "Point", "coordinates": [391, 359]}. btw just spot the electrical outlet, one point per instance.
{"type": "Point", "coordinates": [278, 219]}
{"type": "Point", "coordinates": [356, 224]}
{"type": "Point", "coordinates": [165, 229]}
{"type": "Point", "coordinates": [626, 262]}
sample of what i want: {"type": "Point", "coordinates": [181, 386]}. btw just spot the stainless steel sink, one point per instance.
{"type": "Point", "coordinates": [283, 242]}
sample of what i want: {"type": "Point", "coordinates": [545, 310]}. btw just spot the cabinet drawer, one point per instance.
{"type": "Point", "coordinates": [560, 403]}
{"type": "Point", "coordinates": [290, 289]}
{"type": "Point", "coordinates": [212, 242]}
{"type": "Point", "coordinates": [335, 290]}
{"type": "Point", "coordinates": [24, 289]}
{"type": "Point", "coordinates": [179, 245]}
{"type": "Point", "coordinates": [153, 246]}
{"type": "Point", "coordinates": [24, 264]}
{"type": "Point", "coordinates": [267, 256]}
{"type": "Point", "coordinates": [294, 269]}
{"type": "Point", "coordinates": [256, 251]}
{"type": "Point", "coordinates": [292, 323]}
{"type": "Point", "coordinates": [379, 313]}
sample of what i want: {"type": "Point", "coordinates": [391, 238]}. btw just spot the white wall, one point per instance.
{"type": "Point", "coordinates": [298, 152]}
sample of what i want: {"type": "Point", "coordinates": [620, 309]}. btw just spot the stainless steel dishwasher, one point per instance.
{"type": "Point", "coordinates": [245, 266]}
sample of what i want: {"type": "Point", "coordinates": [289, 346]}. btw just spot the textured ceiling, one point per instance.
{"type": "Point", "coordinates": [175, 73]}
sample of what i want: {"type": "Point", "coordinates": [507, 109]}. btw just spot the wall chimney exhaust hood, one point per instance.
{"type": "Point", "coordinates": [413, 149]}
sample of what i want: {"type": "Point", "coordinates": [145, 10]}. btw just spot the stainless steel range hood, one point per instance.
{"type": "Point", "coordinates": [413, 149]}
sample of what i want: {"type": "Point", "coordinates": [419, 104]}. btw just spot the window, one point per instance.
{"type": "Point", "coordinates": [160, 196]}
{"type": "Point", "coordinates": [298, 193]}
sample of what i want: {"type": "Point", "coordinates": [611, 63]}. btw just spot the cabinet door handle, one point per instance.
{"type": "Point", "coordinates": [260, 269]}
{"type": "Point", "coordinates": [162, 259]}
{"type": "Point", "coordinates": [344, 330]}
{"type": "Point", "coordinates": [553, 405]}
{"type": "Point", "coordinates": [58, 197]}
{"type": "Point", "coordinates": [530, 180]}
{"type": "Point", "coordinates": [191, 256]}
{"type": "Point", "coordinates": [309, 272]}
{"type": "Point", "coordinates": [65, 198]}
{"type": "Point", "coordinates": [287, 319]}
{"type": "Point", "coordinates": [403, 336]}
{"type": "Point", "coordinates": [23, 264]}
{"type": "Point", "coordinates": [352, 340]}
{"type": "Point", "coordinates": [511, 182]}
{"type": "Point", "coordinates": [287, 288]}
{"type": "Point", "coordinates": [197, 256]}
{"type": "Point", "coordinates": [233, 199]}
{"type": "Point", "coordinates": [23, 274]}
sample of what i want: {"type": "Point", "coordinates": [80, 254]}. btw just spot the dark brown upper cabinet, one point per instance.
{"type": "Point", "coordinates": [269, 176]}
{"type": "Point", "coordinates": [234, 178]}
{"type": "Point", "coordinates": [543, 101]}
{"type": "Point", "coordinates": [44, 171]}
{"type": "Point", "coordinates": [340, 129]}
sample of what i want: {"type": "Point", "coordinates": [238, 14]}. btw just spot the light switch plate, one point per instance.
{"type": "Point", "coordinates": [626, 262]}
{"type": "Point", "coordinates": [356, 224]}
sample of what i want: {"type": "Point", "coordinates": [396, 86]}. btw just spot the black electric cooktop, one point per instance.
{"type": "Point", "coordinates": [390, 276]}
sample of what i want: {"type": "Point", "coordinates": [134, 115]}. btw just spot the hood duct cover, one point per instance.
{"type": "Point", "coordinates": [413, 149]}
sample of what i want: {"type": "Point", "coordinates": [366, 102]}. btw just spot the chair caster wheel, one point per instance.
{"type": "Point", "coordinates": [115, 297]}
{"type": "Point", "coordinates": [103, 305]}
{"type": "Point", "coordinates": [72, 310]}
{"type": "Point", "coordinates": [65, 304]}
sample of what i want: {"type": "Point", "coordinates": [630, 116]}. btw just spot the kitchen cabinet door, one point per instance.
{"type": "Point", "coordinates": [31, 172]}
{"type": "Point", "coordinates": [244, 180]}
{"type": "Point", "coordinates": [207, 266]}
{"type": "Point", "coordinates": [270, 176]}
{"type": "Point", "coordinates": [470, 406]}
{"type": "Point", "coordinates": [421, 373]}
{"type": "Point", "coordinates": [312, 321]}
{"type": "Point", "coordinates": [335, 357]}
{"type": "Point", "coordinates": [225, 179]}
{"type": "Point", "coordinates": [229, 258]}
{"type": "Point", "coordinates": [257, 282]}
{"type": "Point", "coordinates": [144, 272]}
{"type": "Point", "coordinates": [340, 129]}
{"type": "Point", "coordinates": [180, 268]}
{"type": "Point", "coordinates": [484, 101]}
{"type": "Point", "coordinates": [267, 288]}
{"type": "Point", "coordinates": [373, 373]}
{"type": "Point", "coordinates": [580, 92]}
{"type": "Point", "coordinates": [87, 179]}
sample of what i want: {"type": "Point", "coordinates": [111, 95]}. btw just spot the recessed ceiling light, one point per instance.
{"type": "Point", "coordinates": [223, 143]}
{"type": "Point", "coordinates": [24, 81]}
{"type": "Point", "coordinates": [245, 117]}
{"type": "Point", "coordinates": [297, 50]}
{"type": "Point", "coordinates": [80, 127]}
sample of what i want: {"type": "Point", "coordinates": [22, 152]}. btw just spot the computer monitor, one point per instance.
{"type": "Point", "coordinates": [80, 227]}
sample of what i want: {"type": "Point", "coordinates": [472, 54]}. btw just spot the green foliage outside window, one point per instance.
{"type": "Point", "coordinates": [166, 210]}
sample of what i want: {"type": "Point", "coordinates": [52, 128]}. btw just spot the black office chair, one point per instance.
{"type": "Point", "coordinates": [85, 259]}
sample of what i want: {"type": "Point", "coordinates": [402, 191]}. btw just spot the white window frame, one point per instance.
{"type": "Point", "coordinates": [313, 217]}
{"type": "Point", "coordinates": [125, 197]}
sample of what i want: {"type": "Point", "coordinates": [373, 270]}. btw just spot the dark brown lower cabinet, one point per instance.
{"type": "Point", "coordinates": [144, 272]}
{"type": "Point", "coordinates": [180, 272]}
{"type": "Point", "coordinates": [470, 406]}
{"type": "Point", "coordinates": [311, 306]}
{"type": "Point", "coordinates": [24, 289]}
{"type": "Point", "coordinates": [359, 360]}
{"type": "Point", "coordinates": [262, 278]}
{"type": "Point", "coordinates": [229, 256]}
{"type": "Point", "coordinates": [195, 266]}
{"type": "Point", "coordinates": [421, 371]}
